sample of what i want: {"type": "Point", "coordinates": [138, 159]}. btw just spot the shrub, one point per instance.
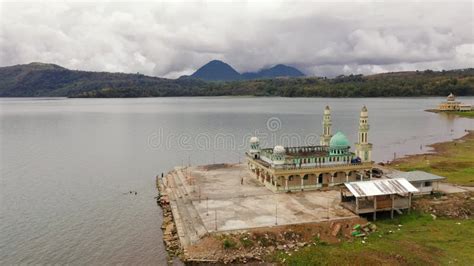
{"type": "Point", "coordinates": [229, 243]}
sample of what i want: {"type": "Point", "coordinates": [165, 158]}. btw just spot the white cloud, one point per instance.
{"type": "Point", "coordinates": [170, 39]}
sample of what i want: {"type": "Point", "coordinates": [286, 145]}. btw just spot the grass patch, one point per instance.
{"type": "Point", "coordinates": [469, 114]}
{"type": "Point", "coordinates": [245, 241]}
{"type": "Point", "coordinates": [454, 160]}
{"type": "Point", "coordinates": [229, 243]}
{"type": "Point", "coordinates": [419, 241]}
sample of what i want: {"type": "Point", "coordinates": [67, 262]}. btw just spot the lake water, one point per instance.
{"type": "Point", "coordinates": [67, 165]}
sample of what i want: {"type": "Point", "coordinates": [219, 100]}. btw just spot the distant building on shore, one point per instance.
{"type": "Point", "coordinates": [451, 105]}
{"type": "Point", "coordinates": [312, 167]}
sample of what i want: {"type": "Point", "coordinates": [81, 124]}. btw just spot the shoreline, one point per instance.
{"type": "Point", "coordinates": [170, 235]}
{"type": "Point", "coordinates": [244, 96]}
{"type": "Point", "coordinates": [452, 159]}
{"type": "Point", "coordinates": [465, 114]}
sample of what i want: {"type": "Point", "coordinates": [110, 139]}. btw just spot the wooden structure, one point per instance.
{"type": "Point", "coordinates": [378, 195]}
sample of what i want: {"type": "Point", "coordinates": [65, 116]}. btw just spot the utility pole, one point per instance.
{"type": "Point", "coordinates": [328, 207]}
{"type": "Point", "coordinates": [207, 206]}
{"type": "Point", "coordinates": [276, 213]}
{"type": "Point", "coordinates": [215, 219]}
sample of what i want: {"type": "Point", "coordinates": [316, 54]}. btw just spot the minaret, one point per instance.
{"type": "Point", "coordinates": [326, 136]}
{"type": "Point", "coordinates": [363, 147]}
{"type": "Point", "coordinates": [254, 148]}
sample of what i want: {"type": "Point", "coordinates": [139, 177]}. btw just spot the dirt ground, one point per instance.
{"type": "Point", "coordinates": [458, 205]}
{"type": "Point", "coordinates": [258, 244]}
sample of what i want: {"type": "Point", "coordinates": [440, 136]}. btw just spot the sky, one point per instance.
{"type": "Point", "coordinates": [170, 39]}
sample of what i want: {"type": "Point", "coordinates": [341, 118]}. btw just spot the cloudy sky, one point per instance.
{"type": "Point", "coordinates": [172, 39]}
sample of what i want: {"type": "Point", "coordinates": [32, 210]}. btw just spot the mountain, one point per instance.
{"type": "Point", "coordinates": [216, 70]}
{"type": "Point", "coordinates": [274, 72]}
{"type": "Point", "coordinates": [40, 79]}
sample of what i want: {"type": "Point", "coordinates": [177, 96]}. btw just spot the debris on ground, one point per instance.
{"type": "Point", "coordinates": [456, 205]}
{"type": "Point", "coordinates": [256, 245]}
{"type": "Point", "coordinates": [363, 230]}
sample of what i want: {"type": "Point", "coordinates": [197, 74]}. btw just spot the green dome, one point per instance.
{"type": "Point", "coordinates": [339, 140]}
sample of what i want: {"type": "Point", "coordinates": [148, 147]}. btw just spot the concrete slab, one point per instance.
{"type": "Point", "coordinates": [269, 210]}
{"type": "Point", "coordinates": [228, 197]}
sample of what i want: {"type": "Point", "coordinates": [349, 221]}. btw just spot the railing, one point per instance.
{"type": "Point", "coordinates": [283, 167]}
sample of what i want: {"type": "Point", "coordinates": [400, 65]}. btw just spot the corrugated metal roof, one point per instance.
{"type": "Point", "coordinates": [380, 187]}
{"type": "Point", "coordinates": [415, 176]}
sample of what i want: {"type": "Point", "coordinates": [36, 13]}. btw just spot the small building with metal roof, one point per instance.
{"type": "Point", "coordinates": [425, 182]}
{"type": "Point", "coordinates": [378, 195]}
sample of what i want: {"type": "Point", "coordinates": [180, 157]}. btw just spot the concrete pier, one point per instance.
{"type": "Point", "coordinates": [226, 197]}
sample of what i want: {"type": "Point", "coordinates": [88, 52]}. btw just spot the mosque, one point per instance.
{"type": "Point", "coordinates": [452, 105]}
{"type": "Point", "coordinates": [302, 168]}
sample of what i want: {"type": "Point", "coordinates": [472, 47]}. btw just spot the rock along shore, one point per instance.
{"type": "Point", "coordinates": [170, 235]}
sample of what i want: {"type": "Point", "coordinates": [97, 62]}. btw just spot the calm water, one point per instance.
{"type": "Point", "coordinates": [67, 165]}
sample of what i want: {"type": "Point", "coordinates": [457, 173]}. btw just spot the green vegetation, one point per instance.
{"type": "Point", "coordinates": [454, 160]}
{"type": "Point", "coordinates": [229, 243]}
{"type": "Point", "coordinates": [419, 240]}
{"type": "Point", "coordinates": [469, 114]}
{"type": "Point", "coordinates": [386, 85]}
{"type": "Point", "coordinates": [38, 79]}
{"type": "Point", "coordinates": [245, 241]}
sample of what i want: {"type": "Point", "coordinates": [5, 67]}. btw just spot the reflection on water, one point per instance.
{"type": "Point", "coordinates": [67, 165]}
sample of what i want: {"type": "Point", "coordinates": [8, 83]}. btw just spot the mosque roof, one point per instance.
{"type": "Point", "coordinates": [339, 140]}
{"type": "Point", "coordinates": [279, 149]}
{"type": "Point", "coordinates": [451, 97]}
{"type": "Point", "coordinates": [253, 140]}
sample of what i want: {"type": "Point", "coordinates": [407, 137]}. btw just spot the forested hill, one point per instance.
{"type": "Point", "coordinates": [38, 79]}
